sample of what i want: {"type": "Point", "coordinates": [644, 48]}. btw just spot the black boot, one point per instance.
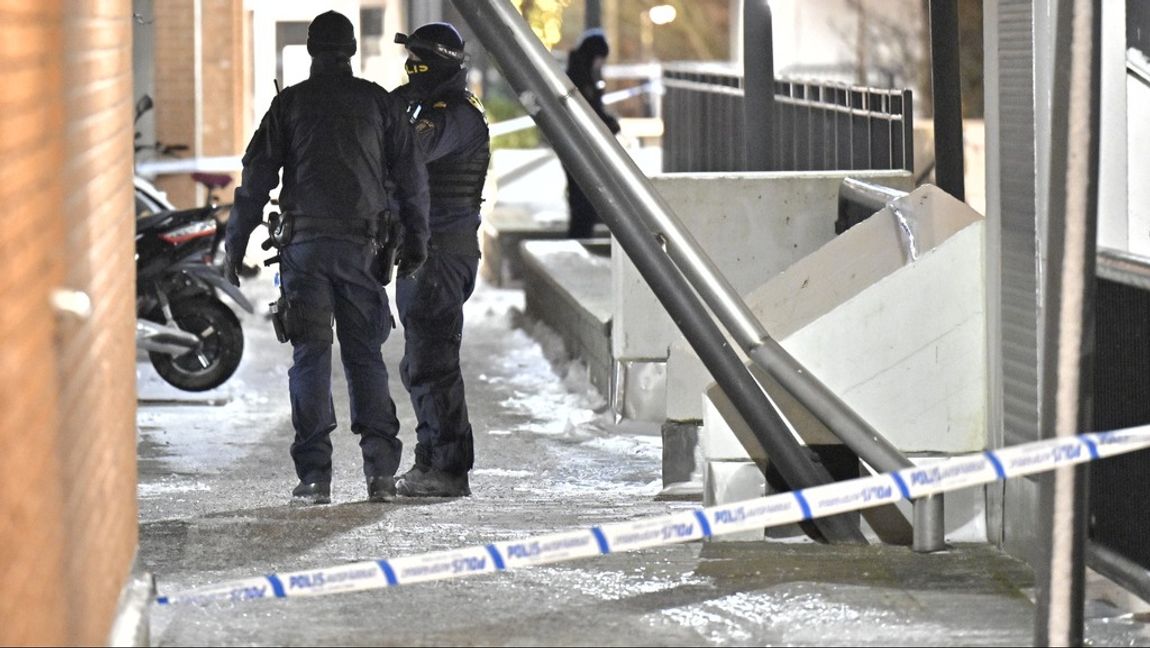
{"type": "Point", "coordinates": [312, 493]}
{"type": "Point", "coordinates": [381, 489]}
{"type": "Point", "coordinates": [429, 482]}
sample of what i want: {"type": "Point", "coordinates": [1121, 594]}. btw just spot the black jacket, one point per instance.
{"type": "Point", "coordinates": [590, 84]}
{"type": "Point", "coordinates": [341, 142]}
{"type": "Point", "coordinates": [450, 127]}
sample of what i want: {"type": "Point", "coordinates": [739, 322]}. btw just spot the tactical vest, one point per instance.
{"type": "Point", "coordinates": [458, 183]}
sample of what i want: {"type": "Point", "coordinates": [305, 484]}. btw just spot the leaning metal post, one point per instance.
{"type": "Point", "coordinates": [616, 187]}
{"type": "Point", "coordinates": [588, 149]}
{"type": "Point", "coordinates": [1067, 348]}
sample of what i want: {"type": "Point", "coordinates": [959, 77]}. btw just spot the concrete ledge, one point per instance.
{"type": "Point", "coordinates": [502, 233]}
{"type": "Point", "coordinates": [568, 287]}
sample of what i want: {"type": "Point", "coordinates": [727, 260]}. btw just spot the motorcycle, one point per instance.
{"type": "Point", "coordinates": [193, 339]}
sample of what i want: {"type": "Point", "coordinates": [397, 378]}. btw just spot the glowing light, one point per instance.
{"type": "Point", "coordinates": [662, 14]}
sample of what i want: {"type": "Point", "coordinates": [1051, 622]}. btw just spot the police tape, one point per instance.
{"type": "Point", "coordinates": [774, 510]}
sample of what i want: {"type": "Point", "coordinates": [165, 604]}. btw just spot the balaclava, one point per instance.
{"type": "Point", "coordinates": [438, 56]}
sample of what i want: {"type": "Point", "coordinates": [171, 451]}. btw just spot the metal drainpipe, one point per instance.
{"type": "Point", "coordinates": [1067, 349]}
{"type": "Point", "coordinates": [618, 189]}
{"type": "Point", "coordinates": [759, 139]}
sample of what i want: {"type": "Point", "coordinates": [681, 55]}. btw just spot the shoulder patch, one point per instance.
{"type": "Point", "coordinates": [477, 104]}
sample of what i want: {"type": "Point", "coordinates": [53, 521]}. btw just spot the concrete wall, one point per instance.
{"type": "Point", "coordinates": [753, 225]}
{"type": "Point", "coordinates": [67, 373]}
{"type": "Point", "coordinates": [1113, 223]}
{"type": "Point", "coordinates": [1138, 163]}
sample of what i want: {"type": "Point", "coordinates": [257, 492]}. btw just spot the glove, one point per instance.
{"type": "Point", "coordinates": [231, 271]}
{"type": "Point", "coordinates": [232, 268]}
{"type": "Point", "coordinates": [411, 256]}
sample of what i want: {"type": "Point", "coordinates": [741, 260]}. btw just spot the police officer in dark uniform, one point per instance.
{"type": "Point", "coordinates": [340, 141]}
{"type": "Point", "coordinates": [451, 129]}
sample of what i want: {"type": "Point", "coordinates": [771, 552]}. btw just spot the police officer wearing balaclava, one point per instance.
{"type": "Point", "coordinates": [451, 129]}
{"type": "Point", "coordinates": [340, 141]}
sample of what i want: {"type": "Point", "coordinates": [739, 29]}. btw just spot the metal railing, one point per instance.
{"type": "Point", "coordinates": [702, 118]}
{"type": "Point", "coordinates": [817, 126]}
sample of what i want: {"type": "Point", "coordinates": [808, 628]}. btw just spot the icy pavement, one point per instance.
{"type": "Point", "coordinates": [215, 477]}
{"type": "Point", "coordinates": [213, 494]}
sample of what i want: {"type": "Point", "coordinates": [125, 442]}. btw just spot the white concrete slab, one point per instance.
{"type": "Point", "coordinates": [891, 317]}
{"type": "Point", "coordinates": [733, 481]}
{"type": "Point", "coordinates": [753, 225]}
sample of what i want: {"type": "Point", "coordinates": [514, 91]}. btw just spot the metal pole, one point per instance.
{"type": "Point", "coordinates": [596, 160]}
{"type": "Point", "coordinates": [593, 14]}
{"type": "Point", "coordinates": [929, 519]}
{"type": "Point", "coordinates": [1067, 347]}
{"type": "Point", "coordinates": [759, 139]}
{"type": "Point", "coordinates": [1118, 568]}
{"type": "Point", "coordinates": [946, 82]}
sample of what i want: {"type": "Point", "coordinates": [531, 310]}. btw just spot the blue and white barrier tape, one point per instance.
{"type": "Point", "coordinates": [763, 512]}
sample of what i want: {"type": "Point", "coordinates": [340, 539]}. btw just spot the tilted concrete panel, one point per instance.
{"type": "Point", "coordinates": [753, 225]}
{"type": "Point", "coordinates": [891, 317]}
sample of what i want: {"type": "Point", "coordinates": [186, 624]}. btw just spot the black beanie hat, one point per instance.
{"type": "Point", "coordinates": [593, 43]}
{"type": "Point", "coordinates": [331, 32]}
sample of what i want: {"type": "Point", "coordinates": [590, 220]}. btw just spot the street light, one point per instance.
{"type": "Point", "coordinates": [657, 15]}
{"type": "Point", "coordinates": [662, 14]}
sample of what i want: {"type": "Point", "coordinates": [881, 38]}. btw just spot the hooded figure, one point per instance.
{"type": "Point", "coordinates": [585, 69]}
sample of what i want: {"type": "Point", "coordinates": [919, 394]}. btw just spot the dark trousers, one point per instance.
{"type": "Point", "coordinates": [326, 279]}
{"type": "Point", "coordinates": [582, 214]}
{"type": "Point", "coordinates": [431, 309]}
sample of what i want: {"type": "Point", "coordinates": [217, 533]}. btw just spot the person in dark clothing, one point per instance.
{"type": "Point", "coordinates": [585, 69]}
{"type": "Point", "coordinates": [450, 128]}
{"type": "Point", "coordinates": [340, 141]}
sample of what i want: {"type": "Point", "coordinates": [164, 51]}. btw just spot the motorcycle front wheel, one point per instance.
{"type": "Point", "coordinates": [221, 345]}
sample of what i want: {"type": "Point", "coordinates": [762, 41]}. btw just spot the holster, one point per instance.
{"type": "Point", "coordinates": [280, 311]}
{"type": "Point", "coordinates": [282, 228]}
{"type": "Point", "coordinates": [295, 322]}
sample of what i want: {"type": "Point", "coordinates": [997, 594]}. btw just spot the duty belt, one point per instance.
{"type": "Point", "coordinates": [365, 227]}
{"type": "Point", "coordinates": [463, 241]}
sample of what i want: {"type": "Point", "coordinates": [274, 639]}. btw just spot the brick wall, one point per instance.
{"type": "Point", "coordinates": [97, 358]}
{"type": "Point", "coordinates": [67, 383]}
{"type": "Point", "coordinates": [175, 93]}
{"type": "Point", "coordinates": [31, 152]}
{"type": "Point", "coordinates": [223, 77]}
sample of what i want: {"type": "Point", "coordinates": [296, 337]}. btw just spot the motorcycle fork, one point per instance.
{"type": "Point", "coordinates": [166, 309]}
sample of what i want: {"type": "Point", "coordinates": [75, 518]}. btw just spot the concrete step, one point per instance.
{"type": "Point", "coordinates": [505, 228]}
{"type": "Point", "coordinates": [567, 286]}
